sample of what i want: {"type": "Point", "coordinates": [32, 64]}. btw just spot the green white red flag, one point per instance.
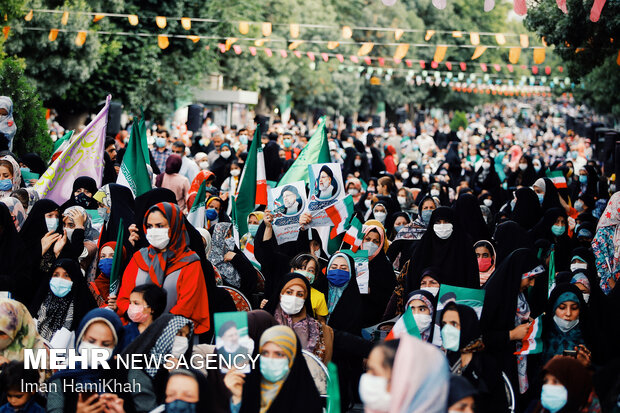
{"type": "Point", "coordinates": [557, 178]}
{"type": "Point", "coordinates": [532, 342]}
{"type": "Point", "coordinates": [354, 235]}
{"type": "Point", "coordinates": [340, 214]}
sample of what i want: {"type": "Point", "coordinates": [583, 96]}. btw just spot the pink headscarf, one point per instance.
{"type": "Point", "coordinates": [381, 232]}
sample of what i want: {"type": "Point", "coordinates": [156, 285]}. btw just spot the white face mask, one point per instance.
{"type": "Point", "coordinates": [373, 392]}
{"type": "Point", "coordinates": [353, 191]}
{"type": "Point", "coordinates": [415, 180]}
{"type": "Point", "coordinates": [69, 233]}
{"type": "Point", "coordinates": [204, 165]}
{"type": "Point", "coordinates": [371, 247]}
{"type": "Point", "coordinates": [380, 216]}
{"type": "Point", "coordinates": [578, 266]}
{"type": "Point", "coordinates": [85, 349]}
{"type": "Point", "coordinates": [423, 321]}
{"type": "Point", "coordinates": [488, 202]}
{"type": "Point", "coordinates": [225, 154]}
{"type": "Point", "coordinates": [432, 290]}
{"type": "Point", "coordinates": [357, 163]}
{"type": "Point", "coordinates": [179, 346]}
{"type": "Point", "coordinates": [368, 203]}
{"type": "Point", "coordinates": [435, 192]}
{"type": "Point", "coordinates": [564, 325]}
{"type": "Point", "coordinates": [586, 297]}
{"type": "Point", "coordinates": [405, 175]}
{"type": "Point", "coordinates": [290, 304]}
{"type": "Point", "coordinates": [158, 237]}
{"type": "Point", "coordinates": [235, 172]}
{"type": "Point", "coordinates": [443, 231]}
{"type": "Point", "coordinates": [402, 201]}
{"type": "Point", "coordinates": [523, 166]}
{"type": "Point", "coordinates": [486, 165]}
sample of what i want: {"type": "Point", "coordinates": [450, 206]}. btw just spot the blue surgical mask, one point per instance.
{"type": "Point", "coordinates": [553, 397]}
{"type": "Point", "coordinates": [252, 228]}
{"type": "Point", "coordinates": [426, 216]}
{"type": "Point", "coordinates": [397, 228]}
{"type": "Point", "coordinates": [337, 277]}
{"type": "Point", "coordinates": [211, 214]}
{"type": "Point", "coordinates": [105, 266]}
{"type": "Point", "coordinates": [60, 287]}
{"type": "Point", "coordinates": [180, 406]}
{"type": "Point", "coordinates": [583, 179]}
{"type": "Point", "coordinates": [287, 143]}
{"type": "Point", "coordinates": [6, 184]}
{"type": "Point", "coordinates": [558, 230]}
{"type": "Point", "coordinates": [243, 139]}
{"type": "Point", "coordinates": [52, 224]}
{"type": "Point", "coordinates": [273, 369]}
{"type": "Point", "coordinates": [160, 142]}
{"type": "Point", "coordinates": [451, 337]}
{"type": "Point", "coordinates": [541, 198]}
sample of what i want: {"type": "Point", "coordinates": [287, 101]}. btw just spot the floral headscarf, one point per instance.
{"type": "Point", "coordinates": [90, 234]}
{"type": "Point", "coordinates": [17, 323]}
{"type": "Point", "coordinates": [219, 248]}
{"type": "Point", "coordinates": [606, 243]}
{"type": "Point", "coordinates": [17, 176]}
{"type": "Point", "coordinates": [17, 211]}
{"type": "Point", "coordinates": [33, 197]}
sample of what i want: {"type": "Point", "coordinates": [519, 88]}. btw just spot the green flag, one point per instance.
{"type": "Point", "coordinates": [196, 215]}
{"type": "Point", "coordinates": [316, 151]}
{"type": "Point", "coordinates": [117, 264]}
{"type": "Point", "coordinates": [134, 174]}
{"type": "Point", "coordinates": [252, 189]}
{"type": "Point", "coordinates": [333, 389]}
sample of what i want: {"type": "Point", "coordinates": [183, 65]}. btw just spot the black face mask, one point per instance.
{"type": "Point", "coordinates": [83, 200]}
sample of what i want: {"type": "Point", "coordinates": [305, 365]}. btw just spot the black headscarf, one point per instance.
{"type": "Point", "coordinates": [527, 211]}
{"type": "Point", "coordinates": [122, 207]}
{"type": "Point", "coordinates": [173, 166]}
{"type": "Point", "coordinates": [562, 244]}
{"type": "Point", "coordinates": [460, 388]}
{"type": "Point", "coordinates": [509, 236]}
{"type": "Point", "coordinates": [34, 162]}
{"type": "Point", "coordinates": [35, 228]}
{"type": "Point", "coordinates": [551, 199]}
{"type": "Point", "coordinates": [13, 275]}
{"type": "Point", "coordinates": [470, 334]}
{"type": "Point", "coordinates": [83, 182]}
{"type": "Point", "coordinates": [347, 315]}
{"type": "Point", "coordinates": [454, 257]}
{"type": "Point", "coordinates": [470, 217]}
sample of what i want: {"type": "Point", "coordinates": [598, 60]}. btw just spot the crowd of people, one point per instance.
{"type": "Point", "coordinates": [514, 204]}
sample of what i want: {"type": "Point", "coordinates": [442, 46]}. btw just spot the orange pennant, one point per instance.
{"type": "Point", "coordinates": [294, 45]}
{"type": "Point", "coordinates": [514, 54]}
{"type": "Point", "coordinates": [500, 38]}
{"type": "Point", "coordinates": [5, 31]}
{"type": "Point", "coordinates": [229, 42]}
{"type": "Point", "coordinates": [65, 18]}
{"type": "Point", "coordinates": [260, 42]}
{"type": "Point", "coordinates": [244, 27]}
{"type": "Point", "coordinates": [29, 15]}
{"type": "Point", "coordinates": [457, 34]}
{"type": "Point", "coordinates": [398, 33]}
{"type": "Point", "coordinates": [474, 38]}
{"type": "Point", "coordinates": [332, 45]}
{"type": "Point", "coordinates": [294, 30]}
{"type": "Point", "coordinates": [440, 53]}
{"type": "Point", "coordinates": [365, 48]}
{"type": "Point", "coordinates": [133, 19]}
{"type": "Point", "coordinates": [161, 23]}
{"type": "Point", "coordinates": [163, 41]}
{"type": "Point", "coordinates": [98, 17]}
{"type": "Point", "coordinates": [53, 35]}
{"type": "Point", "coordinates": [401, 51]}
{"type": "Point", "coordinates": [194, 38]}
{"type": "Point", "coordinates": [429, 34]}
{"type": "Point", "coordinates": [618, 59]}
{"type": "Point", "coordinates": [478, 52]}
{"type": "Point", "coordinates": [539, 55]}
{"type": "Point", "coordinates": [80, 38]}
{"type": "Point", "coordinates": [266, 29]}
{"type": "Point", "coordinates": [347, 33]}
{"type": "Point", "coordinates": [186, 23]}
{"type": "Point", "coordinates": [525, 41]}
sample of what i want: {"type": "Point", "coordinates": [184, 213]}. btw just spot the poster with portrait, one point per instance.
{"type": "Point", "coordinates": [232, 341]}
{"type": "Point", "coordinates": [287, 203]}
{"type": "Point", "coordinates": [361, 268]}
{"type": "Point", "coordinates": [460, 295]}
{"type": "Point", "coordinates": [326, 188]}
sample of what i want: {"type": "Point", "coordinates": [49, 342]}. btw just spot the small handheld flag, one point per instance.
{"type": "Point", "coordinates": [405, 324]}
{"type": "Point", "coordinates": [354, 235]}
{"type": "Point", "coordinates": [532, 342]}
{"type": "Point", "coordinates": [117, 260]}
{"type": "Point", "coordinates": [333, 389]}
{"type": "Point", "coordinates": [557, 178]}
{"type": "Point", "coordinates": [340, 213]}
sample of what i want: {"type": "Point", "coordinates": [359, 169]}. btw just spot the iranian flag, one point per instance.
{"type": "Point", "coordinates": [557, 178]}
{"type": "Point", "coordinates": [405, 324]}
{"type": "Point", "coordinates": [532, 342]}
{"type": "Point", "coordinates": [252, 188]}
{"type": "Point", "coordinates": [354, 235]}
{"type": "Point", "coordinates": [61, 144]}
{"type": "Point", "coordinates": [197, 216]}
{"type": "Point", "coordinates": [134, 173]}
{"type": "Point", "coordinates": [248, 251]}
{"type": "Point", "coordinates": [340, 213]}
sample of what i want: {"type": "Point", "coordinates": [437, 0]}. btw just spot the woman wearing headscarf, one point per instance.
{"type": "Point", "coordinates": [169, 263]}
{"type": "Point", "coordinates": [553, 227]}
{"type": "Point", "coordinates": [20, 330]}
{"type": "Point", "coordinates": [293, 308]}
{"type": "Point", "coordinates": [169, 334]}
{"type": "Point", "coordinates": [379, 211]}
{"type": "Point", "coordinates": [353, 187]}
{"type": "Point", "coordinates": [10, 176]}
{"type": "Point", "coordinates": [567, 387]}
{"type": "Point", "coordinates": [470, 217]}
{"type": "Point", "coordinates": [420, 378]}
{"type": "Point", "coordinates": [99, 329]}
{"type": "Point", "coordinates": [462, 395]}
{"type": "Point", "coordinates": [202, 176]}
{"type": "Point", "coordinates": [62, 301]}
{"type": "Point", "coordinates": [234, 267]}
{"type": "Point", "coordinates": [16, 210]}
{"type": "Point", "coordinates": [547, 194]}
{"type": "Point", "coordinates": [487, 259]}
{"type": "Point", "coordinates": [606, 244]}
{"type": "Point", "coordinates": [356, 163]}
{"type": "Point", "coordinates": [381, 279]}
{"type": "Point", "coordinates": [81, 236]}
{"type": "Point", "coordinates": [486, 179]}
{"type": "Point", "coordinates": [509, 236]}
{"type": "Point", "coordinates": [375, 384]}
{"type": "Point", "coordinates": [525, 175]}
{"type": "Point", "coordinates": [254, 220]}
{"type": "Point", "coordinates": [84, 187]}
{"type": "Point", "coordinates": [174, 181]}
{"type": "Point", "coordinates": [283, 372]}
{"type": "Point", "coordinates": [144, 202]}
{"type": "Point", "coordinates": [15, 274]}
{"type": "Point", "coordinates": [526, 211]}
{"type": "Point", "coordinates": [445, 246]}
{"type": "Point", "coordinates": [116, 203]}
{"type": "Point", "coordinates": [422, 305]}
{"type": "Point", "coordinates": [566, 325]}
{"type": "Point", "coordinates": [506, 315]}
{"type": "Point", "coordinates": [100, 286]}
{"type": "Point", "coordinates": [462, 340]}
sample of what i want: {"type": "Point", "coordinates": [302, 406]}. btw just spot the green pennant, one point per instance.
{"type": "Point", "coordinates": [115, 274]}
{"type": "Point", "coordinates": [333, 389]}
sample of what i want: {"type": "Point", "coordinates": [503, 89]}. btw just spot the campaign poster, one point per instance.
{"type": "Point", "coordinates": [287, 203]}
{"type": "Point", "coordinates": [326, 188]}
{"type": "Point", "coordinates": [361, 268]}
{"type": "Point", "coordinates": [232, 341]}
{"type": "Point", "coordinates": [460, 295]}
